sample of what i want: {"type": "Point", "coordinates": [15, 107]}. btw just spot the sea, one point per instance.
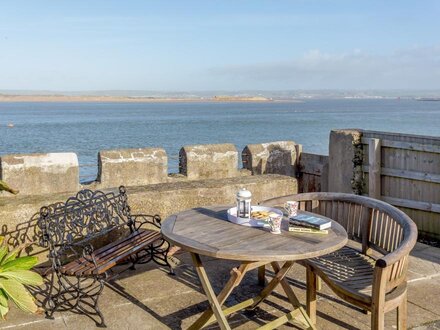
{"type": "Point", "coordinates": [86, 128]}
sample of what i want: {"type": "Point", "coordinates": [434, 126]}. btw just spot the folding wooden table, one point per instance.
{"type": "Point", "coordinates": [206, 232]}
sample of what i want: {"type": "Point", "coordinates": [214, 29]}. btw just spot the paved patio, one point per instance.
{"type": "Point", "coordinates": [148, 298]}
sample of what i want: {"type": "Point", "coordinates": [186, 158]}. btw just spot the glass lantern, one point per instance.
{"type": "Point", "coordinates": [244, 203]}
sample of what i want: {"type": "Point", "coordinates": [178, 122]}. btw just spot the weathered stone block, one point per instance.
{"type": "Point", "coordinates": [209, 161]}
{"type": "Point", "coordinates": [166, 199]}
{"type": "Point", "coordinates": [39, 174]}
{"type": "Point", "coordinates": [274, 157]}
{"type": "Point", "coordinates": [132, 167]}
{"type": "Point", "coordinates": [342, 153]}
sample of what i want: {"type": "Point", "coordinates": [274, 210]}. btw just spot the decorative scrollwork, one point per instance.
{"type": "Point", "coordinates": [69, 229]}
{"type": "Point", "coordinates": [84, 216]}
{"type": "Point", "coordinates": [87, 254]}
{"type": "Point", "coordinates": [146, 221]}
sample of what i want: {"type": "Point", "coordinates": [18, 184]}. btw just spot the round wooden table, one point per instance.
{"type": "Point", "coordinates": [206, 231]}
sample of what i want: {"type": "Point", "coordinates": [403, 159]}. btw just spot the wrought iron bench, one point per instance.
{"type": "Point", "coordinates": [74, 232]}
{"type": "Point", "coordinates": [370, 271]}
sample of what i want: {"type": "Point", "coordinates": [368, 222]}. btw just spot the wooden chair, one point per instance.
{"type": "Point", "coordinates": [370, 271]}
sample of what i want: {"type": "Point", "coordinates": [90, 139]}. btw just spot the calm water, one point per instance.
{"type": "Point", "coordinates": [86, 128]}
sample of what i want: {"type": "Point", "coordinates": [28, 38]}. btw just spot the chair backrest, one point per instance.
{"type": "Point", "coordinates": [87, 215]}
{"type": "Point", "coordinates": [375, 224]}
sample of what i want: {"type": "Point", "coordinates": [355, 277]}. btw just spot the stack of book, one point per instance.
{"type": "Point", "coordinates": [307, 223]}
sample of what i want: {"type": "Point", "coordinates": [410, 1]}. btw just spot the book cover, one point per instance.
{"type": "Point", "coordinates": [310, 221]}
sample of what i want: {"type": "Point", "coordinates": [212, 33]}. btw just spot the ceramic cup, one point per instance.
{"type": "Point", "coordinates": [275, 223]}
{"type": "Point", "coordinates": [291, 208]}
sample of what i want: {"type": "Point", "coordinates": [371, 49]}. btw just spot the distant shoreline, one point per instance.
{"type": "Point", "coordinates": [131, 99]}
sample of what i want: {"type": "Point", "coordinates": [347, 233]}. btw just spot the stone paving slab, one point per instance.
{"type": "Point", "coordinates": [149, 298]}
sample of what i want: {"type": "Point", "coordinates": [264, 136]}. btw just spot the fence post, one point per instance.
{"type": "Point", "coordinates": [374, 155]}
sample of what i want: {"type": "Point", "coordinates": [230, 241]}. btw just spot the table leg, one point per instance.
{"type": "Point", "coordinates": [215, 305]}
{"type": "Point", "coordinates": [280, 273]}
{"type": "Point", "coordinates": [292, 297]}
{"type": "Point", "coordinates": [262, 275]}
{"type": "Point", "coordinates": [237, 275]}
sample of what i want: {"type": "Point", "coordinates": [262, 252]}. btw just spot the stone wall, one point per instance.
{"type": "Point", "coordinates": [275, 157]}
{"type": "Point", "coordinates": [132, 167]}
{"type": "Point", "coordinates": [208, 161]}
{"type": "Point", "coordinates": [209, 175]}
{"type": "Point", "coordinates": [42, 174]}
{"type": "Point", "coordinates": [37, 174]}
{"type": "Point", "coordinates": [18, 215]}
{"type": "Point", "coordinates": [343, 152]}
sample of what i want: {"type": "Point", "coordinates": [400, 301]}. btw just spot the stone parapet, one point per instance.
{"type": "Point", "coordinates": [18, 215]}
{"type": "Point", "coordinates": [39, 174]}
{"type": "Point", "coordinates": [209, 161]}
{"type": "Point", "coordinates": [132, 167]}
{"type": "Point", "coordinates": [343, 151]}
{"type": "Point", "coordinates": [52, 173]}
{"type": "Point", "coordinates": [279, 157]}
{"type": "Point", "coordinates": [166, 199]}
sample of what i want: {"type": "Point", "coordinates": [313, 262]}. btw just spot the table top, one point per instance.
{"type": "Point", "coordinates": [207, 231]}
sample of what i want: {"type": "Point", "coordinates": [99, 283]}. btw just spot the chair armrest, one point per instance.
{"type": "Point", "coordinates": [401, 252]}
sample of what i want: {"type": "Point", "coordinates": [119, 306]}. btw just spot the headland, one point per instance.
{"type": "Point", "coordinates": [125, 99]}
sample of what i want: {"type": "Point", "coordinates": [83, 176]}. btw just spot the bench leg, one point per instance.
{"type": "Point", "coordinates": [312, 283]}
{"type": "Point", "coordinates": [69, 293]}
{"type": "Point", "coordinates": [100, 324]}
{"type": "Point", "coordinates": [377, 319]}
{"type": "Point", "coordinates": [157, 252]}
{"type": "Point", "coordinates": [49, 304]}
{"type": "Point", "coordinates": [133, 263]}
{"type": "Point", "coordinates": [402, 313]}
{"type": "Point", "coordinates": [160, 255]}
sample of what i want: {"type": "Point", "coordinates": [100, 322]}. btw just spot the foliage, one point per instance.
{"type": "Point", "coordinates": [15, 273]}
{"type": "Point", "coordinates": [4, 186]}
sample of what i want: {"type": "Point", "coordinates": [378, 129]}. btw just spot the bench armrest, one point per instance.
{"type": "Point", "coordinates": [145, 220]}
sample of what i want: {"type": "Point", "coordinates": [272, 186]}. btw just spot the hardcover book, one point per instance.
{"type": "Point", "coordinates": [300, 229]}
{"type": "Point", "coordinates": [310, 221]}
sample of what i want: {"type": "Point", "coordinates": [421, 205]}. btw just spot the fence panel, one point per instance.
{"type": "Point", "coordinates": [404, 170]}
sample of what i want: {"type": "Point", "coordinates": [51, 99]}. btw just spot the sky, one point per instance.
{"type": "Point", "coordinates": [219, 45]}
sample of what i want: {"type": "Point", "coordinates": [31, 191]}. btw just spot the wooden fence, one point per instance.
{"type": "Point", "coordinates": [313, 172]}
{"type": "Point", "coordinates": [404, 170]}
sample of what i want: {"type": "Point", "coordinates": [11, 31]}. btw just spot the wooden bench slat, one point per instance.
{"type": "Point", "coordinates": [124, 248]}
{"type": "Point", "coordinates": [121, 256]}
{"type": "Point", "coordinates": [121, 249]}
{"type": "Point", "coordinates": [79, 263]}
{"type": "Point", "coordinates": [346, 271]}
{"type": "Point", "coordinates": [89, 268]}
{"type": "Point", "coordinates": [109, 255]}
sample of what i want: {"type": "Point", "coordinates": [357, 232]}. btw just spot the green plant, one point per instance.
{"type": "Point", "coordinates": [4, 186]}
{"type": "Point", "coordinates": [15, 273]}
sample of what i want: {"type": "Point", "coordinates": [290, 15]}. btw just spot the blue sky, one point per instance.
{"type": "Point", "coordinates": [212, 45]}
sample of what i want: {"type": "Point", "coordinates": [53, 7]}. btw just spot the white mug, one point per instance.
{"type": "Point", "coordinates": [291, 208]}
{"type": "Point", "coordinates": [275, 223]}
